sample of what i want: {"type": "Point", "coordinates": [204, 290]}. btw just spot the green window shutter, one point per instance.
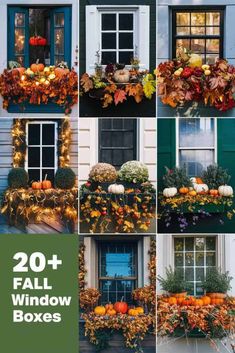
{"type": "Point", "coordinates": [166, 147]}
{"type": "Point", "coordinates": [226, 146]}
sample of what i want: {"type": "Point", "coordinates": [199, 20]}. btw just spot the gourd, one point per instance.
{"type": "Point", "coordinates": [201, 188]}
{"type": "Point", "coordinates": [169, 192]}
{"type": "Point", "coordinates": [111, 312]}
{"type": "Point", "coordinates": [183, 190]}
{"type": "Point", "coordinates": [116, 189]}
{"type": "Point", "coordinates": [100, 310]}
{"type": "Point", "coordinates": [140, 309]}
{"type": "Point", "coordinates": [46, 184]}
{"type": "Point", "coordinates": [213, 192]}
{"type": "Point", "coordinates": [109, 306]}
{"type": "Point", "coordinates": [122, 76]}
{"type": "Point", "coordinates": [121, 307]}
{"type": "Point", "coordinates": [225, 190]}
{"type": "Point", "coordinates": [37, 67]}
{"type": "Point", "coordinates": [37, 185]}
{"type": "Point", "coordinates": [133, 312]}
{"type": "Point", "coordinates": [192, 193]}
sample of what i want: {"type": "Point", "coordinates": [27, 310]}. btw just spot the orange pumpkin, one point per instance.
{"type": "Point", "coordinates": [214, 192]}
{"type": "Point", "coordinates": [172, 301]}
{"type": "Point", "coordinates": [192, 193]}
{"type": "Point", "coordinates": [60, 72]}
{"type": "Point", "coordinates": [183, 190]}
{"type": "Point", "coordinates": [121, 307]}
{"type": "Point", "coordinates": [198, 302]}
{"type": "Point", "coordinates": [199, 181]}
{"type": "Point", "coordinates": [100, 310]}
{"type": "Point", "coordinates": [109, 306]}
{"type": "Point", "coordinates": [37, 67]}
{"type": "Point", "coordinates": [180, 300]}
{"type": "Point", "coordinates": [46, 184]}
{"type": "Point", "coordinates": [187, 302]}
{"type": "Point", "coordinates": [140, 309]}
{"type": "Point", "coordinates": [111, 312]}
{"type": "Point", "coordinates": [206, 300]}
{"type": "Point", "coordinates": [133, 312]}
{"type": "Point", "coordinates": [36, 185]}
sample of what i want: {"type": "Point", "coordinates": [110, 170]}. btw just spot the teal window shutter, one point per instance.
{"type": "Point", "coordinates": [18, 35]}
{"type": "Point", "coordinates": [61, 22]}
{"type": "Point", "coordinates": [166, 131]}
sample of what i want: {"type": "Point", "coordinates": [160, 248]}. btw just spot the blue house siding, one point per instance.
{"type": "Point", "coordinates": [164, 50]}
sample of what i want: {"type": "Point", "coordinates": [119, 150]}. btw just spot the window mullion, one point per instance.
{"type": "Point", "coordinates": [117, 37]}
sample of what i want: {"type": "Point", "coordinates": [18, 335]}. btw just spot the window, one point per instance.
{"type": "Point", "coordinates": [117, 141]}
{"type": "Point", "coordinates": [117, 271]}
{"type": "Point", "coordinates": [51, 23]}
{"type": "Point", "coordinates": [117, 33]}
{"type": "Point", "coordinates": [41, 159]}
{"type": "Point", "coordinates": [193, 256]}
{"type": "Point", "coordinates": [196, 144]}
{"type": "Point", "coordinates": [117, 37]}
{"type": "Point", "coordinates": [200, 31]}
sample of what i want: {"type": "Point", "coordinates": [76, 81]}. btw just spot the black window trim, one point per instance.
{"type": "Point", "coordinates": [197, 8]}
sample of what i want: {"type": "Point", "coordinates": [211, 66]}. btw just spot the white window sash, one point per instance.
{"type": "Point", "coordinates": [41, 123]}
{"type": "Point", "coordinates": [93, 32]}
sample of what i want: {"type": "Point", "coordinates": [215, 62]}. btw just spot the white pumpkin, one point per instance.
{"type": "Point", "coordinates": [193, 180]}
{"type": "Point", "coordinates": [169, 192]}
{"type": "Point", "coordinates": [122, 76]}
{"type": "Point", "coordinates": [201, 188]}
{"type": "Point", "coordinates": [225, 190]}
{"type": "Point", "coordinates": [116, 189]}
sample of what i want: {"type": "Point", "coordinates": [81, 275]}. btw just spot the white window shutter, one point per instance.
{"type": "Point", "coordinates": [92, 37]}
{"type": "Point", "coordinates": [143, 36]}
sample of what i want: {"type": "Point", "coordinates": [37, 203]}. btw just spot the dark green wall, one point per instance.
{"type": "Point", "coordinates": [91, 108]}
{"type": "Point", "coordinates": [226, 159]}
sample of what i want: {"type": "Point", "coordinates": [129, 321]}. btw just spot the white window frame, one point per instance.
{"type": "Point", "coordinates": [217, 264]}
{"type": "Point", "coordinates": [41, 122]}
{"type": "Point", "coordinates": [178, 148]}
{"type": "Point", "coordinates": [141, 32]}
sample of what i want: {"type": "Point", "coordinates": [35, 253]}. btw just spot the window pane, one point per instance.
{"type": "Point", "coordinates": [34, 134]}
{"type": "Point", "coordinates": [196, 161]}
{"type": "Point", "coordinates": [48, 134]}
{"type": "Point", "coordinates": [118, 157]}
{"type": "Point", "coordinates": [125, 57]}
{"type": "Point", "coordinates": [189, 259]}
{"type": "Point", "coordinates": [58, 59]}
{"type": "Point", "coordinates": [200, 274]}
{"type": "Point", "coordinates": [59, 20]}
{"type": "Point", "coordinates": [210, 243]}
{"type": "Point", "coordinates": [183, 31]}
{"type": "Point", "coordinates": [19, 40]}
{"type": "Point", "coordinates": [179, 244]}
{"type": "Point", "coordinates": [59, 41]}
{"type": "Point", "coordinates": [183, 19]}
{"type": "Point", "coordinates": [33, 156]}
{"type": "Point", "coordinates": [106, 123]}
{"type": "Point", "coordinates": [125, 21]}
{"type": "Point", "coordinates": [108, 22]}
{"type": "Point", "coordinates": [106, 139]}
{"type": "Point", "coordinates": [125, 40]}
{"type": "Point", "coordinates": [212, 45]}
{"type": "Point", "coordinates": [106, 156]}
{"type": "Point", "coordinates": [196, 132]}
{"type": "Point", "coordinates": [179, 260]}
{"type": "Point", "coordinates": [189, 243]}
{"type": "Point", "coordinates": [212, 31]}
{"type": "Point", "coordinates": [19, 19]}
{"type": "Point", "coordinates": [128, 139]}
{"type": "Point", "coordinates": [199, 258]}
{"type": "Point", "coordinates": [198, 18]}
{"type": "Point", "coordinates": [198, 30]}
{"type": "Point", "coordinates": [198, 45]}
{"type": "Point", "coordinates": [212, 18]}
{"type": "Point", "coordinates": [108, 58]}
{"type": "Point", "coordinates": [48, 157]}
{"type": "Point", "coordinates": [200, 243]}
{"type": "Point", "coordinates": [210, 259]}
{"type": "Point", "coordinates": [212, 58]}
{"type": "Point", "coordinates": [34, 175]}
{"type": "Point", "coordinates": [108, 40]}
{"type": "Point", "coordinates": [189, 274]}
{"type": "Point", "coordinates": [185, 43]}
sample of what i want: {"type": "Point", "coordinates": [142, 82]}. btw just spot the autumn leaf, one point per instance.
{"type": "Point", "coordinates": [149, 89]}
{"type": "Point", "coordinates": [168, 100]}
{"type": "Point", "coordinates": [119, 96]}
{"type": "Point", "coordinates": [136, 91]}
{"type": "Point", "coordinates": [111, 88]}
{"type": "Point", "coordinates": [216, 82]}
{"type": "Point", "coordinates": [95, 214]}
{"type": "Point", "coordinates": [86, 82]}
{"type": "Point", "coordinates": [107, 100]}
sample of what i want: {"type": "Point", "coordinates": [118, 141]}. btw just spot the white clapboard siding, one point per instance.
{"type": "Point", "coordinates": [74, 145]}
{"type": "Point", "coordinates": [5, 151]}
{"type": "Point", "coordinates": [88, 146]}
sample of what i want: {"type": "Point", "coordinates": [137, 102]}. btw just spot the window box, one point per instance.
{"type": "Point", "coordinates": [20, 206]}
{"type": "Point", "coordinates": [111, 213]}
{"type": "Point", "coordinates": [28, 91]}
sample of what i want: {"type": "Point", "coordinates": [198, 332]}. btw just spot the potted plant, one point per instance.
{"type": "Point", "coordinates": [176, 179]}
{"type": "Point", "coordinates": [215, 176]}
{"type": "Point", "coordinates": [133, 174]}
{"type": "Point", "coordinates": [174, 283]}
{"type": "Point", "coordinates": [102, 174]}
{"type": "Point", "coordinates": [216, 284]}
